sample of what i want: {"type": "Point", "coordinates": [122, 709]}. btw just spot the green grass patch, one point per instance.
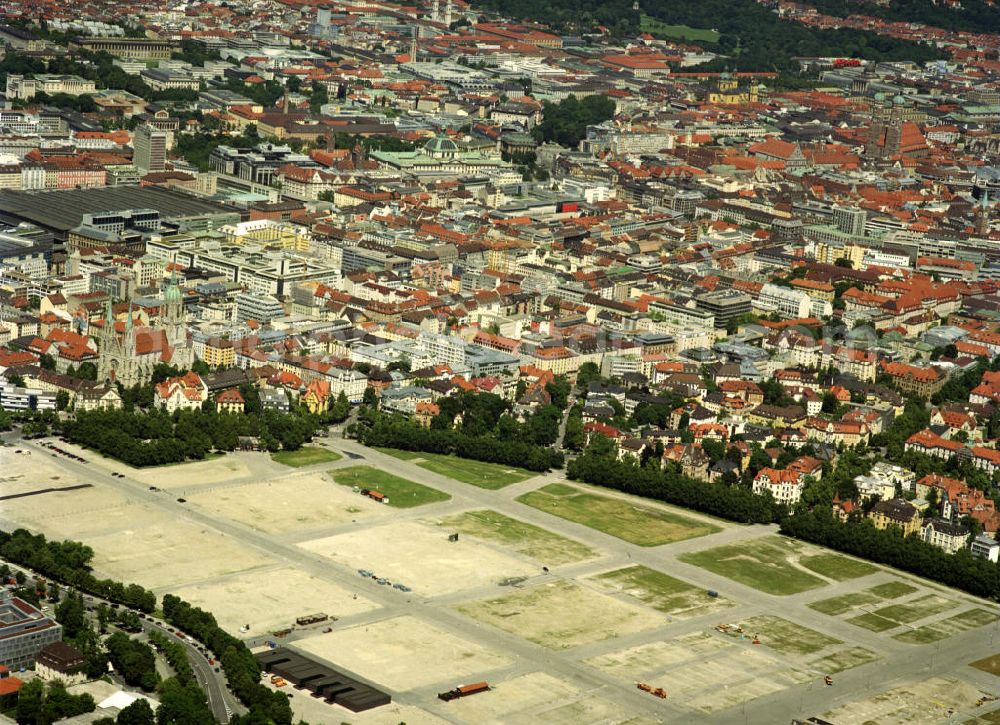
{"type": "Point", "coordinates": [305, 456]}
{"type": "Point", "coordinates": [527, 539]}
{"type": "Point", "coordinates": [947, 627]}
{"type": "Point", "coordinates": [844, 659]}
{"type": "Point", "coordinates": [402, 493]}
{"type": "Point", "coordinates": [837, 567]}
{"type": "Point", "coordinates": [989, 664]}
{"type": "Point", "coordinates": [401, 454]}
{"type": "Point", "coordinates": [873, 622]}
{"type": "Point", "coordinates": [989, 718]}
{"type": "Point", "coordinates": [761, 563]}
{"type": "Point", "coordinates": [491, 476]}
{"type": "Point", "coordinates": [659, 591]}
{"type": "Point", "coordinates": [676, 32]}
{"type": "Point", "coordinates": [636, 524]}
{"type": "Point", "coordinates": [925, 606]}
{"type": "Point", "coordinates": [787, 637]}
{"type": "Point", "coordinates": [843, 603]}
{"type": "Point", "coordinates": [892, 590]}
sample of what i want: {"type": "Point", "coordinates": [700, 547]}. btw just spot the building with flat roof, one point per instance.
{"type": "Point", "coordinates": [322, 681]}
{"type": "Point", "coordinates": [150, 145]}
{"type": "Point", "coordinates": [59, 211]}
{"type": "Point", "coordinates": [725, 305]}
{"type": "Point", "coordinates": [24, 631]}
{"type": "Point", "coordinates": [139, 48]}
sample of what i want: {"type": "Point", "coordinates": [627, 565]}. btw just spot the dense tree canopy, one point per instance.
{"type": "Point", "coordinates": [158, 437]}
{"type": "Point", "coordinates": [972, 15]}
{"type": "Point", "coordinates": [566, 122]}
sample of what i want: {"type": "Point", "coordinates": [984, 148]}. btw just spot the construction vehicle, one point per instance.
{"type": "Point", "coordinates": [312, 619]}
{"type": "Point", "coordinates": [278, 681]}
{"type": "Point", "coordinates": [464, 691]}
{"type": "Point", "coordinates": [657, 691]}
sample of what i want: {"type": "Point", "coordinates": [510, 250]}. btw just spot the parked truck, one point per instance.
{"type": "Point", "coordinates": [375, 495]}
{"type": "Point", "coordinates": [464, 691]}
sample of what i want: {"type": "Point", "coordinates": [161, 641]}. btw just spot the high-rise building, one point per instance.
{"type": "Point", "coordinates": [150, 149]}
{"type": "Point", "coordinates": [850, 220]}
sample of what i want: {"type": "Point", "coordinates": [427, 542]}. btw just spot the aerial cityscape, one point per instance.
{"type": "Point", "coordinates": [499, 361]}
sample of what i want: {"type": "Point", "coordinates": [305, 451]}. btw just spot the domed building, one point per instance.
{"type": "Point", "coordinates": [443, 156]}
{"type": "Point", "coordinates": [441, 147]}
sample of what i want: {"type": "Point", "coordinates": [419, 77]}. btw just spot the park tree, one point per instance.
{"type": "Point", "coordinates": [71, 613]}
{"type": "Point", "coordinates": [138, 713]}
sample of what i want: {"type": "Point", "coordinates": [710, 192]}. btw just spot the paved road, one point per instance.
{"type": "Point", "coordinates": [899, 662]}
{"type": "Point", "coordinates": [220, 700]}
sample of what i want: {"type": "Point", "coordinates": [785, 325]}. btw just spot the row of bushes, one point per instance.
{"type": "Point", "coordinates": [176, 655]}
{"type": "Point", "coordinates": [69, 563]}
{"type": "Point", "coordinates": [859, 537]}
{"type": "Point", "coordinates": [242, 669]}
{"type": "Point", "coordinates": [397, 432]}
{"type": "Point", "coordinates": [157, 438]}
{"type": "Point", "coordinates": [667, 485]}
{"type": "Point", "coordinates": [856, 536]}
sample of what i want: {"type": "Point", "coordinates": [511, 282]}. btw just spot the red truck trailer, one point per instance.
{"type": "Point", "coordinates": [464, 691]}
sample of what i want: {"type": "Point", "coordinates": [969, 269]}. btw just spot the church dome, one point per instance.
{"type": "Point", "coordinates": [440, 145]}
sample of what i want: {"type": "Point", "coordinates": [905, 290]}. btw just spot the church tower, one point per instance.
{"type": "Point", "coordinates": [173, 313]}
{"type": "Point", "coordinates": [983, 215]}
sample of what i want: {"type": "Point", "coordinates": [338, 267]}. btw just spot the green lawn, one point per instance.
{"type": "Point", "coordinates": [947, 627]}
{"type": "Point", "coordinates": [837, 567]}
{"type": "Point", "coordinates": [988, 664]}
{"type": "Point", "coordinates": [636, 524]}
{"type": "Point", "coordinates": [843, 659]}
{"type": "Point", "coordinates": [484, 475]}
{"type": "Point", "coordinates": [659, 591]}
{"type": "Point", "coordinates": [676, 32]}
{"type": "Point", "coordinates": [787, 637]}
{"type": "Point", "coordinates": [872, 595]}
{"type": "Point", "coordinates": [988, 718]}
{"type": "Point", "coordinates": [892, 590]}
{"type": "Point", "coordinates": [873, 622]}
{"type": "Point", "coordinates": [843, 603]}
{"type": "Point", "coordinates": [402, 493]}
{"type": "Point", "coordinates": [305, 456]}
{"type": "Point", "coordinates": [761, 563]}
{"type": "Point", "coordinates": [925, 606]}
{"type": "Point", "coordinates": [527, 539]}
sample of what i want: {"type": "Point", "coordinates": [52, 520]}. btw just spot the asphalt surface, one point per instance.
{"type": "Point", "coordinates": [899, 662]}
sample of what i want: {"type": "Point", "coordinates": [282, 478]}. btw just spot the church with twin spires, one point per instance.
{"type": "Point", "coordinates": [129, 352]}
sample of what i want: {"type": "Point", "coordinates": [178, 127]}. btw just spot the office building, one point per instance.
{"type": "Point", "coordinates": [262, 308]}
{"type": "Point", "coordinates": [850, 220]}
{"type": "Point", "coordinates": [150, 145]}
{"type": "Point", "coordinates": [24, 631]}
{"type": "Point", "coordinates": [725, 305]}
